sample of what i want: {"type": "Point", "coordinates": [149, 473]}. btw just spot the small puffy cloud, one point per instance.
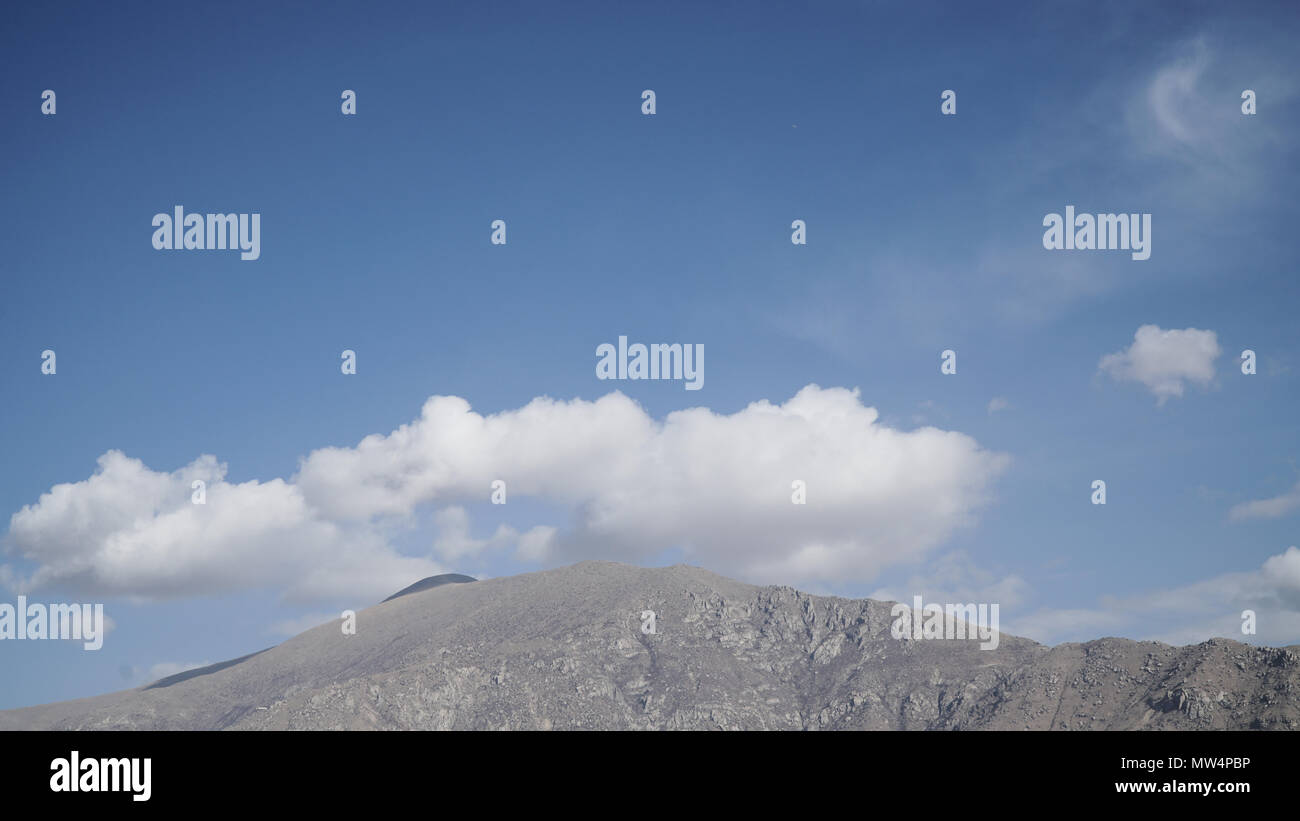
{"type": "Point", "coordinates": [1273, 508]}
{"type": "Point", "coordinates": [1165, 361]}
{"type": "Point", "coordinates": [998, 403]}
{"type": "Point", "coordinates": [1283, 574]}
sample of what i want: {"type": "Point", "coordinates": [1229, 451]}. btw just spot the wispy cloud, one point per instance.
{"type": "Point", "coordinates": [1187, 614]}
{"type": "Point", "coordinates": [1273, 508]}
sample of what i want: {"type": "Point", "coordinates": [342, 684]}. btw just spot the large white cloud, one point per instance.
{"type": "Point", "coordinates": [128, 530]}
{"type": "Point", "coordinates": [1165, 361]}
{"type": "Point", "coordinates": [715, 486]}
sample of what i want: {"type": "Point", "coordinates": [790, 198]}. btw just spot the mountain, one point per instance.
{"type": "Point", "coordinates": [430, 582]}
{"type": "Point", "coordinates": [564, 649]}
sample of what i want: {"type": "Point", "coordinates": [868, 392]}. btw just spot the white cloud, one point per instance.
{"type": "Point", "coordinates": [536, 545]}
{"type": "Point", "coordinates": [1174, 99]}
{"type": "Point", "coordinates": [1187, 113]}
{"type": "Point", "coordinates": [1267, 508]}
{"type": "Point", "coordinates": [955, 578]}
{"type": "Point", "coordinates": [716, 486]}
{"type": "Point", "coordinates": [131, 531]}
{"type": "Point", "coordinates": [1165, 361]}
{"type": "Point", "coordinates": [454, 541]}
{"type": "Point", "coordinates": [1190, 109]}
{"type": "Point", "coordinates": [1188, 614]}
{"type": "Point", "coordinates": [998, 403]}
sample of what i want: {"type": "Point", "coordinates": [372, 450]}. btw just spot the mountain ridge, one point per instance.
{"type": "Point", "coordinates": [564, 649]}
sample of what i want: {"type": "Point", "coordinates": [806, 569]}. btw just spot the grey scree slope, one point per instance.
{"type": "Point", "coordinates": [563, 649]}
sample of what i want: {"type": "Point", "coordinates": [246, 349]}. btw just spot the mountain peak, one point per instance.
{"type": "Point", "coordinates": [432, 581]}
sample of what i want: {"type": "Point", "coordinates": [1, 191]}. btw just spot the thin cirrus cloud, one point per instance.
{"type": "Point", "coordinates": [1165, 361]}
{"type": "Point", "coordinates": [1190, 613]}
{"type": "Point", "coordinates": [1189, 113]}
{"type": "Point", "coordinates": [1272, 508]}
{"type": "Point", "coordinates": [716, 486]}
{"type": "Point", "coordinates": [956, 577]}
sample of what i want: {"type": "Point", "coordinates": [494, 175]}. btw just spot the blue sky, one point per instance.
{"type": "Point", "coordinates": [924, 234]}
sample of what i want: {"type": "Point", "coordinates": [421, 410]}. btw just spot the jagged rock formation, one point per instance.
{"type": "Point", "coordinates": [563, 649]}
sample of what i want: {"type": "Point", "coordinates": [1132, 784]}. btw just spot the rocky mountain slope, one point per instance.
{"type": "Point", "coordinates": [564, 649]}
